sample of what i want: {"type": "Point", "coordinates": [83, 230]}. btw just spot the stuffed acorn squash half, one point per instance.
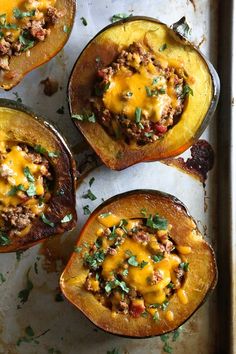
{"type": "Point", "coordinates": [141, 267]}
{"type": "Point", "coordinates": [31, 33]}
{"type": "Point", "coordinates": [141, 92]}
{"type": "Point", "coordinates": [37, 179]}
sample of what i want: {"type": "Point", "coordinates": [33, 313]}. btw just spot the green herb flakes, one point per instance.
{"type": "Point", "coordinates": [91, 181]}
{"type": "Point", "coordinates": [31, 191]}
{"type": "Point", "coordinates": [156, 222]}
{"type": "Point", "coordinates": [67, 218]}
{"type": "Point", "coordinates": [86, 117]}
{"type": "Point", "coordinates": [46, 221]}
{"type": "Point", "coordinates": [104, 215]}
{"type": "Point", "coordinates": [18, 14]}
{"type": "Point", "coordinates": [186, 91]}
{"type": "Point", "coordinates": [40, 149]}
{"type": "Point", "coordinates": [86, 210]}
{"type": "Point", "coordinates": [163, 47]}
{"type": "Point", "coordinates": [113, 351]}
{"type": "Point", "coordinates": [78, 249]}
{"type": "Point", "coordinates": [133, 262]}
{"type": "Point", "coordinates": [23, 295]}
{"type": "Point", "coordinates": [157, 257]}
{"type": "Point", "coordinates": [4, 239]}
{"type": "Point", "coordinates": [143, 264]}
{"type": "Point", "coordinates": [119, 16]}
{"type": "Point", "coordinates": [84, 21]}
{"type": "Point", "coordinates": [138, 115]}
{"type": "Point", "coordinates": [28, 174]}
{"type": "Point", "coordinates": [89, 195]}
{"type": "Point", "coordinates": [184, 266]}
{"type": "Point", "coordinates": [2, 279]}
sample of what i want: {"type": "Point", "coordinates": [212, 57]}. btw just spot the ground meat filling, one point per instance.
{"type": "Point", "coordinates": [134, 267]}
{"type": "Point", "coordinates": [25, 28]}
{"type": "Point", "coordinates": [138, 97]}
{"type": "Point", "coordinates": [25, 187]}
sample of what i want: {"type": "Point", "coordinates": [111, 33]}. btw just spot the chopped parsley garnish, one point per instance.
{"type": "Point", "coordinates": [163, 47]}
{"type": "Point", "coordinates": [184, 266]}
{"type": "Point", "coordinates": [4, 239]}
{"type": "Point", "coordinates": [89, 195]}
{"type": "Point", "coordinates": [113, 351]}
{"type": "Point", "coordinates": [53, 154]}
{"type": "Point", "coordinates": [156, 222]}
{"type": "Point", "coordinates": [105, 215]}
{"type": "Point", "coordinates": [28, 338]}
{"type": "Point", "coordinates": [86, 210]}
{"type": "Point", "coordinates": [18, 99]}
{"type": "Point", "coordinates": [91, 181]}
{"type": "Point", "coordinates": [86, 117]}
{"type": "Point", "coordinates": [154, 92]}
{"type": "Point", "coordinates": [125, 272]}
{"type": "Point", "coordinates": [18, 14]}
{"type": "Point", "coordinates": [60, 191]}
{"type": "Point", "coordinates": [2, 278]}
{"type": "Point", "coordinates": [31, 191]}
{"type": "Point", "coordinates": [143, 211]}
{"type": "Point", "coordinates": [13, 191]}
{"type": "Point", "coordinates": [23, 295]}
{"type": "Point", "coordinates": [120, 16]}
{"type": "Point", "coordinates": [95, 260]}
{"type": "Point", "coordinates": [84, 21]}
{"type": "Point", "coordinates": [156, 316]}
{"type": "Point", "coordinates": [25, 41]}
{"type": "Point", "coordinates": [170, 285]}
{"type": "Point", "coordinates": [66, 29]}
{"type": "Point", "coordinates": [110, 285]}
{"type": "Point", "coordinates": [40, 149]}
{"type": "Point", "coordinates": [148, 134]}
{"type": "Point", "coordinates": [157, 257]}
{"type": "Point", "coordinates": [186, 91]}
{"type": "Point", "coordinates": [46, 221]}
{"type": "Point", "coordinates": [155, 80]}
{"type": "Point", "coordinates": [67, 218]}
{"type": "Point", "coordinates": [138, 114]}
{"type": "Point", "coordinates": [182, 27]}
{"type": "Point", "coordinates": [132, 261]}
{"type": "Point", "coordinates": [143, 264]}
{"type": "Point", "coordinates": [28, 174]}
{"type": "Point", "coordinates": [78, 249]}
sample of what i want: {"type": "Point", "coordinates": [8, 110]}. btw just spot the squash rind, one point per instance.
{"type": "Point", "coordinates": [201, 277]}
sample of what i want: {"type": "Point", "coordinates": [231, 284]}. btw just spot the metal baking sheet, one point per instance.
{"type": "Point", "coordinates": [58, 327]}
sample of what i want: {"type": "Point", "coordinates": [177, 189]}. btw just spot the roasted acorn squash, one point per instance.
{"type": "Point", "coordinates": [83, 277]}
{"type": "Point", "coordinates": [21, 127]}
{"type": "Point", "coordinates": [166, 45]}
{"type": "Point", "coordinates": [43, 51]}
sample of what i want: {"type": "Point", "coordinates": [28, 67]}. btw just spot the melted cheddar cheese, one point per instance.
{"type": "Point", "coordinates": [146, 78]}
{"type": "Point", "coordinates": [134, 257]}
{"type": "Point", "coordinates": [14, 165]}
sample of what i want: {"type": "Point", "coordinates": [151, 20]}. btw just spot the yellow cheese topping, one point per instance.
{"type": "Point", "coordinates": [13, 166]}
{"type": "Point", "coordinates": [7, 7]}
{"type": "Point", "coordinates": [139, 278]}
{"type": "Point", "coordinates": [143, 264]}
{"type": "Point", "coordinates": [136, 86]}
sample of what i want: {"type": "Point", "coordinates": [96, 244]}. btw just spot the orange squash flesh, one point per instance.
{"type": "Point", "coordinates": [200, 279]}
{"type": "Point", "coordinates": [43, 51]}
{"type": "Point", "coordinates": [104, 48]}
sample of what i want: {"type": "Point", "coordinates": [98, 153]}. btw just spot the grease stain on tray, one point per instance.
{"type": "Point", "coordinates": [199, 164]}
{"type": "Point", "coordinates": [57, 251]}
